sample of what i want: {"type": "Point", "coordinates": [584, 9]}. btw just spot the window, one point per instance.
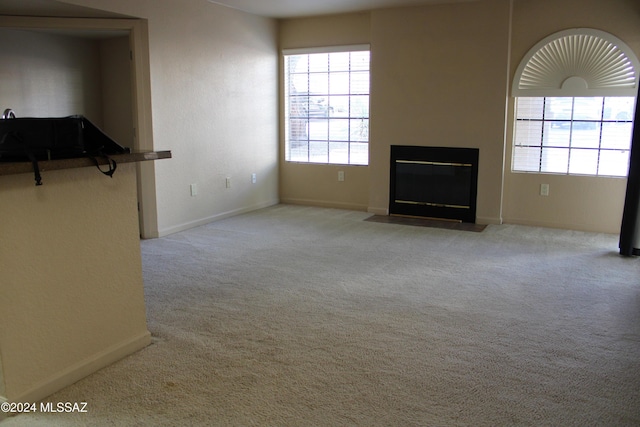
{"type": "Point", "coordinates": [327, 106]}
{"type": "Point", "coordinates": [575, 92]}
{"type": "Point", "coordinates": [573, 135]}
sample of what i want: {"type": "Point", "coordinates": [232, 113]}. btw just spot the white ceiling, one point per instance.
{"type": "Point", "coordinates": [268, 8]}
{"type": "Point", "coordinates": [299, 8]}
{"type": "Point", "coordinates": [49, 8]}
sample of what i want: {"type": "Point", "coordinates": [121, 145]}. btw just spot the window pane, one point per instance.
{"type": "Point", "coordinates": [318, 62]}
{"type": "Point", "coordinates": [558, 108]}
{"type": "Point", "coordinates": [360, 82]}
{"type": "Point", "coordinates": [339, 130]}
{"type": "Point", "coordinates": [614, 163]}
{"type": "Point", "coordinates": [587, 108]}
{"type": "Point", "coordinates": [339, 83]}
{"type": "Point", "coordinates": [359, 106]}
{"type": "Point", "coordinates": [359, 130]}
{"type": "Point", "coordinates": [299, 83]}
{"type": "Point", "coordinates": [556, 137]}
{"type": "Point", "coordinates": [298, 106]}
{"type": "Point", "coordinates": [319, 83]}
{"type": "Point", "coordinates": [298, 130]}
{"type": "Point", "coordinates": [339, 152]}
{"type": "Point", "coordinates": [339, 106]}
{"type": "Point", "coordinates": [526, 159]}
{"type": "Point", "coordinates": [360, 61]}
{"type": "Point", "coordinates": [555, 160]}
{"type": "Point", "coordinates": [299, 152]}
{"type": "Point", "coordinates": [584, 162]}
{"type": "Point", "coordinates": [339, 61]}
{"type": "Point", "coordinates": [585, 137]}
{"type": "Point", "coordinates": [317, 106]}
{"type": "Point", "coordinates": [318, 129]}
{"type": "Point", "coordinates": [528, 133]}
{"type": "Point", "coordinates": [318, 151]}
{"type": "Point", "coordinates": [584, 125]}
{"type": "Point", "coordinates": [359, 153]}
{"type": "Point", "coordinates": [530, 108]}
{"type": "Point", "coordinates": [616, 135]}
{"type": "Point", "coordinates": [620, 108]}
{"type": "Point", "coordinates": [298, 63]}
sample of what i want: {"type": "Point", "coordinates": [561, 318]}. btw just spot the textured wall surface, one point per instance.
{"type": "Point", "coordinates": [575, 202]}
{"type": "Point", "coordinates": [214, 105]}
{"type": "Point", "coordinates": [440, 76]}
{"type": "Point", "coordinates": [72, 296]}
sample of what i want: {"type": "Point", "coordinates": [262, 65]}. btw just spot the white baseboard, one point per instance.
{"type": "Point", "coordinates": [325, 204]}
{"type": "Point", "coordinates": [590, 228]}
{"type": "Point", "coordinates": [204, 221]}
{"type": "Point", "coordinates": [3, 414]}
{"type": "Point", "coordinates": [82, 369]}
{"type": "Point", "coordinates": [488, 220]}
{"type": "Point", "coordinates": [378, 211]}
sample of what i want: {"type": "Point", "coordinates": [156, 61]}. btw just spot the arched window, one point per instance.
{"type": "Point", "coordinates": [575, 97]}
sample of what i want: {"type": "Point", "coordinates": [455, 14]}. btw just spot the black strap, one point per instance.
{"type": "Point", "coordinates": [110, 162]}
{"type": "Point", "coordinates": [36, 168]}
{"type": "Point", "coordinates": [25, 149]}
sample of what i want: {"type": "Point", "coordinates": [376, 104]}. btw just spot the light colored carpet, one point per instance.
{"type": "Point", "coordinates": [300, 316]}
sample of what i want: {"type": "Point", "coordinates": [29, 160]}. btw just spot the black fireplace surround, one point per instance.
{"type": "Point", "coordinates": [434, 182]}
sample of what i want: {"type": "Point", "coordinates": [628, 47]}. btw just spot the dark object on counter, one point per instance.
{"type": "Point", "coordinates": [33, 139]}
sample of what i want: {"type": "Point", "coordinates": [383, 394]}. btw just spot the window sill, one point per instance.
{"type": "Point", "coordinates": [578, 175]}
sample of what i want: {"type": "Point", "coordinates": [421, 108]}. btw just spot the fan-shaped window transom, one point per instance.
{"type": "Point", "coordinates": [578, 62]}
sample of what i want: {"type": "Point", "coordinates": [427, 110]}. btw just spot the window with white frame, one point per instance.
{"type": "Point", "coordinates": [573, 135]}
{"type": "Point", "coordinates": [574, 105]}
{"type": "Point", "coordinates": [326, 97]}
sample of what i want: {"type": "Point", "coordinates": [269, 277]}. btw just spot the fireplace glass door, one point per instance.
{"type": "Point", "coordinates": [434, 182]}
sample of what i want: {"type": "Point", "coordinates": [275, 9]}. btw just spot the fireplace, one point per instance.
{"type": "Point", "coordinates": [434, 182]}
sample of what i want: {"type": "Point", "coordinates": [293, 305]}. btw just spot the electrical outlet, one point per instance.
{"type": "Point", "coordinates": [228, 182]}
{"type": "Point", "coordinates": [544, 189]}
{"type": "Point", "coordinates": [194, 190]}
{"type": "Point", "coordinates": [340, 176]}
{"type": "Point", "coordinates": [254, 178]}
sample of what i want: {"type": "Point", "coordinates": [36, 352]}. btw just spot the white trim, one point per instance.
{"type": "Point", "coordinates": [488, 220]}
{"type": "Point", "coordinates": [83, 368]}
{"type": "Point", "coordinates": [378, 211]}
{"type": "Point", "coordinates": [204, 221]}
{"type": "Point", "coordinates": [324, 204]}
{"type": "Point", "coordinates": [571, 56]}
{"type": "Point", "coordinates": [563, 225]}
{"type": "Point", "coordinates": [327, 49]}
{"type": "Point", "coordinates": [3, 415]}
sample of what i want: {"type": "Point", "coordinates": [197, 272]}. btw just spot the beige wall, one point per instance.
{"type": "Point", "coordinates": [72, 296]}
{"type": "Point", "coordinates": [574, 202]}
{"type": "Point", "coordinates": [55, 75]}
{"type": "Point", "coordinates": [439, 79]}
{"type": "Point", "coordinates": [214, 92]}
{"type": "Point", "coordinates": [441, 76]}
{"type": "Point", "coordinates": [318, 184]}
{"type": "Point", "coordinates": [70, 260]}
{"type": "Point", "coordinates": [47, 75]}
{"type": "Point", "coordinates": [71, 283]}
{"type": "Point", "coordinates": [116, 79]}
{"type": "Point", "coordinates": [431, 68]}
{"type": "Point", "coordinates": [214, 105]}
